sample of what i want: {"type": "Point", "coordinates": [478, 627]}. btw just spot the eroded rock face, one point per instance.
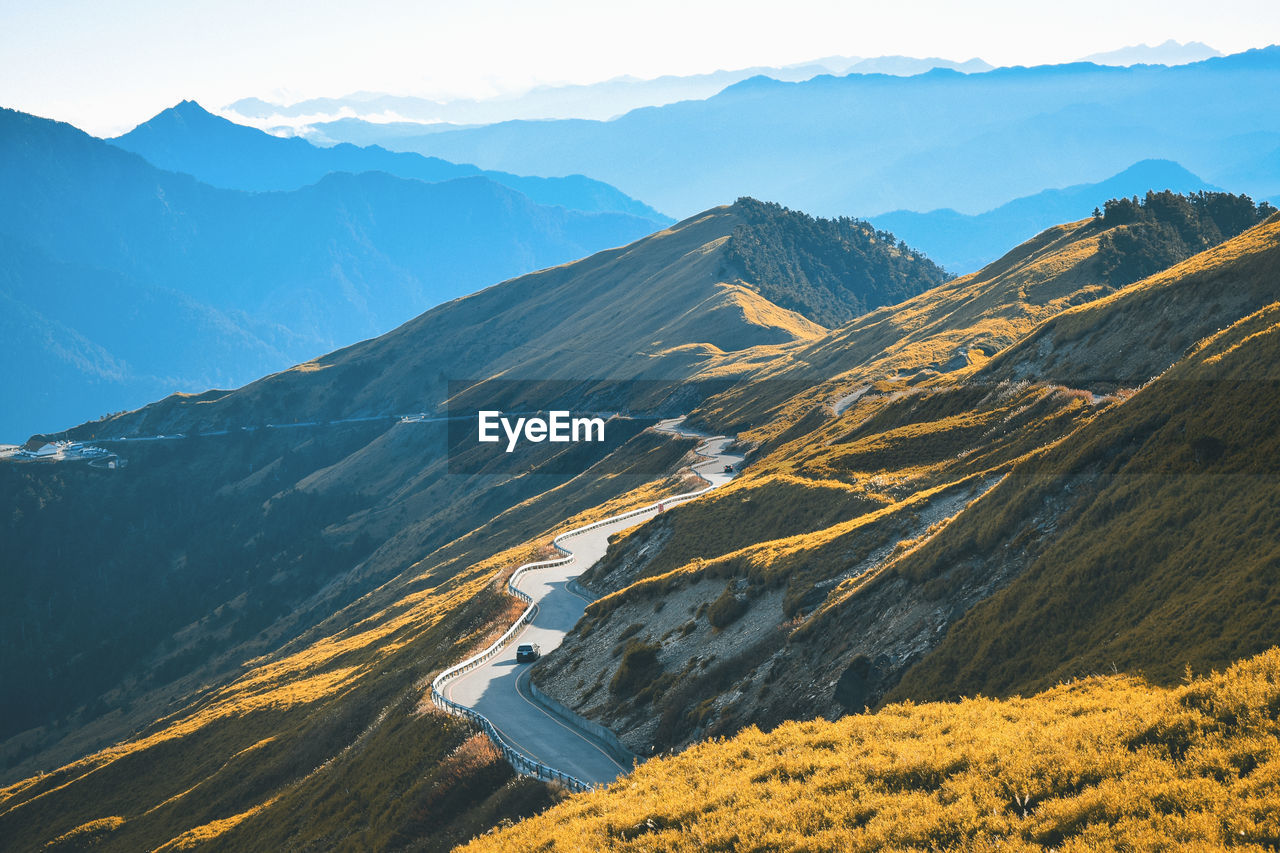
{"type": "Point", "coordinates": [727, 655]}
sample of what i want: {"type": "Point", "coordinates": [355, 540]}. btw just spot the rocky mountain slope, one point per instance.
{"type": "Point", "coordinates": [804, 583]}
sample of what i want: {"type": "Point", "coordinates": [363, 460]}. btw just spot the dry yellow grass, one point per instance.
{"type": "Point", "coordinates": [86, 834]}
{"type": "Point", "coordinates": [200, 835]}
{"type": "Point", "coordinates": [1107, 763]}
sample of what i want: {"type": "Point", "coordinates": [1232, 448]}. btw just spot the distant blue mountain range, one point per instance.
{"type": "Point", "coordinates": [602, 100]}
{"type": "Point", "coordinates": [865, 144]}
{"type": "Point", "coordinates": [123, 282]}
{"type": "Point", "coordinates": [189, 139]}
{"type": "Point", "coordinates": [962, 244]}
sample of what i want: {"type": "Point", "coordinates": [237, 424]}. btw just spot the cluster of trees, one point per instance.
{"type": "Point", "coordinates": [1166, 227]}
{"type": "Point", "coordinates": [829, 270]}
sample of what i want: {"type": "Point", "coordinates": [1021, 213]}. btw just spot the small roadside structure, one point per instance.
{"type": "Point", "coordinates": [61, 451]}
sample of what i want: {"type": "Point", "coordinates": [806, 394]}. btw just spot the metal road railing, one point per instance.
{"type": "Point", "coordinates": [524, 764]}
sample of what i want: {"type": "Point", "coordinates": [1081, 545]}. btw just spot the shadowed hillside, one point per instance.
{"type": "Point", "coordinates": [788, 255]}
{"type": "Point", "coordinates": [1165, 554]}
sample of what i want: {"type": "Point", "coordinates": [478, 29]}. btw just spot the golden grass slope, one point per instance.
{"type": "Point", "coordinates": [1106, 763]}
{"type": "Point", "coordinates": [988, 309]}
{"type": "Point", "coordinates": [808, 533]}
{"type": "Point", "coordinates": [1133, 334]}
{"type": "Point", "coordinates": [864, 535]}
{"type": "Point", "coordinates": [1167, 552]}
{"type": "Point", "coordinates": [806, 542]}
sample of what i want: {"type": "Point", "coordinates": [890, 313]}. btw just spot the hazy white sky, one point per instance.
{"type": "Point", "coordinates": [105, 66]}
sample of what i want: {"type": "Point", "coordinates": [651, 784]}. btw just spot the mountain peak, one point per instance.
{"type": "Point", "coordinates": [1159, 170]}
{"type": "Point", "coordinates": [183, 117]}
{"type": "Point", "coordinates": [189, 109]}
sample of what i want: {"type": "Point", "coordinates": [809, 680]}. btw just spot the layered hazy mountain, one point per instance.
{"type": "Point", "coordinates": [372, 116]}
{"type": "Point", "coordinates": [1169, 52]}
{"type": "Point", "coordinates": [366, 118]}
{"type": "Point", "coordinates": [865, 144]}
{"type": "Point", "coordinates": [125, 282]}
{"type": "Point", "coordinates": [963, 244]}
{"type": "Point", "coordinates": [186, 138]}
{"type": "Point", "coordinates": [601, 101]}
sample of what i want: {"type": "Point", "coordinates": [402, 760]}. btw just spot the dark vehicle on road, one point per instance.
{"type": "Point", "coordinates": [728, 469]}
{"type": "Point", "coordinates": [527, 652]}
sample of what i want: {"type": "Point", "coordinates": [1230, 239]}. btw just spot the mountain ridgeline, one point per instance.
{"type": "Point", "coordinates": [601, 100]}
{"type": "Point", "coordinates": [965, 243]}
{"type": "Point", "coordinates": [869, 143]}
{"type": "Point", "coordinates": [187, 138]}
{"type": "Point", "coordinates": [661, 309]}
{"type": "Point", "coordinates": [184, 286]}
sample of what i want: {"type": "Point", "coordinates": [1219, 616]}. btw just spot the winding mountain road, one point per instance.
{"type": "Point", "coordinates": [498, 689]}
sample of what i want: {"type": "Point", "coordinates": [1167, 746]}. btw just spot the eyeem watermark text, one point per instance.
{"type": "Point", "coordinates": [558, 426]}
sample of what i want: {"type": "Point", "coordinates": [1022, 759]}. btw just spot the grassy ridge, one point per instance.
{"type": "Point", "coordinates": [1127, 337]}
{"type": "Point", "coordinates": [945, 330]}
{"type": "Point", "coordinates": [1105, 763]}
{"type": "Point", "coordinates": [1169, 554]}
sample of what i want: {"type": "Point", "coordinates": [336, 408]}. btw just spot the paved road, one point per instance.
{"type": "Point", "coordinates": [498, 688]}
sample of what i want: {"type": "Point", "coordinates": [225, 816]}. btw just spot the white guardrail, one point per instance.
{"type": "Point", "coordinates": [524, 764]}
